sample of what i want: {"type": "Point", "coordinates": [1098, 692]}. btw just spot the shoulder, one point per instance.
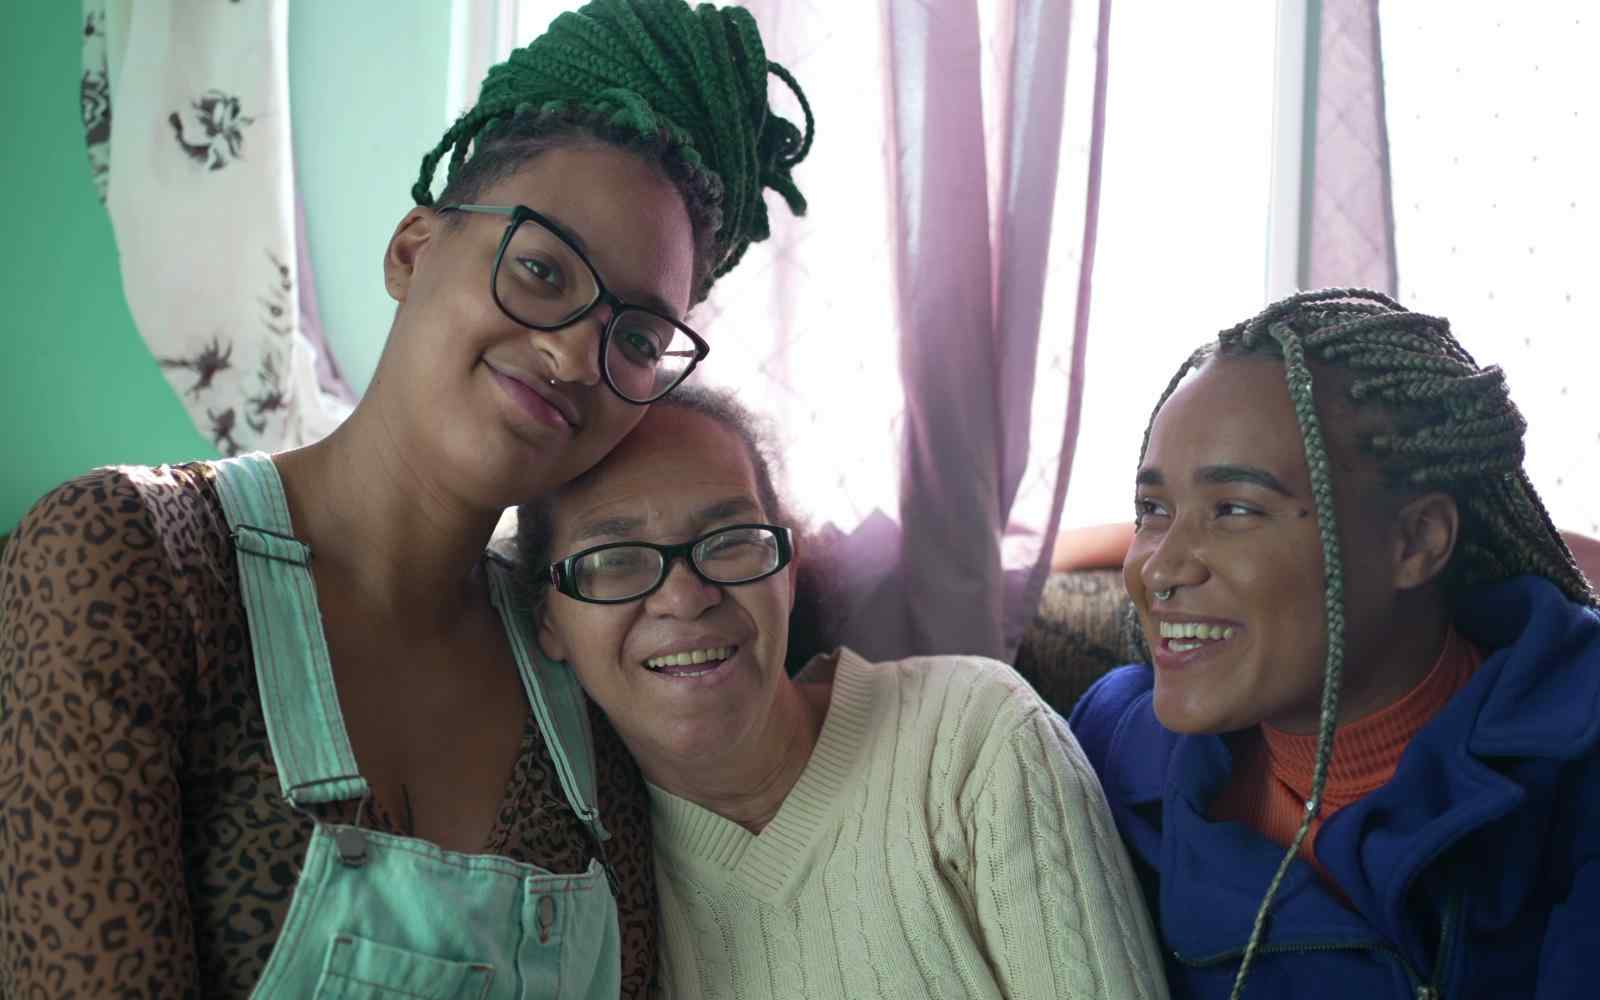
{"type": "Point", "coordinates": [978, 690]}
{"type": "Point", "coordinates": [115, 544]}
{"type": "Point", "coordinates": [122, 505]}
{"type": "Point", "coordinates": [952, 718]}
{"type": "Point", "coordinates": [1539, 686]}
{"type": "Point", "coordinates": [1117, 700]}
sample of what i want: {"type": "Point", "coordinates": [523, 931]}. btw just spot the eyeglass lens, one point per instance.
{"type": "Point", "coordinates": [735, 555]}
{"type": "Point", "coordinates": [542, 282]}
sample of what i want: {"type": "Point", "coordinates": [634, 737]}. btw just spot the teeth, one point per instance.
{"type": "Point", "coordinates": [1195, 630]}
{"type": "Point", "coordinates": [690, 658]}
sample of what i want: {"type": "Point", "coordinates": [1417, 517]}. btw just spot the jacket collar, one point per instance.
{"type": "Point", "coordinates": [1233, 863]}
{"type": "Point", "coordinates": [1532, 706]}
{"type": "Point", "coordinates": [1545, 699]}
{"type": "Point", "coordinates": [1143, 753]}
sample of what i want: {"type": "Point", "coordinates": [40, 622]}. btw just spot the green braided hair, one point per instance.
{"type": "Point", "coordinates": [1454, 429]}
{"type": "Point", "coordinates": [685, 87]}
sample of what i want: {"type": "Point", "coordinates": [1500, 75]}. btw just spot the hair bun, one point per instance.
{"type": "Point", "coordinates": [659, 68]}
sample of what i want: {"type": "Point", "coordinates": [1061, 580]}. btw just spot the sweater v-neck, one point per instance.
{"type": "Point", "coordinates": [770, 865]}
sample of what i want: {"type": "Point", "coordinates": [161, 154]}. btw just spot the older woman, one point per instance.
{"type": "Point", "coordinates": [1366, 759]}
{"type": "Point", "coordinates": [268, 726]}
{"type": "Point", "coordinates": [920, 828]}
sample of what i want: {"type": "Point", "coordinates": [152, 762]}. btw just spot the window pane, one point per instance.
{"type": "Point", "coordinates": [1181, 250]}
{"type": "Point", "coordinates": [1492, 126]}
{"type": "Point", "coordinates": [1183, 220]}
{"type": "Point", "coordinates": [529, 18]}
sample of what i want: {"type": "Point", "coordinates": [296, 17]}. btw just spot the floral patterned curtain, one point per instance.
{"type": "Point", "coordinates": [186, 117]}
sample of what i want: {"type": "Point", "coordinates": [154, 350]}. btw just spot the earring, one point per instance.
{"type": "Point", "coordinates": [1164, 595]}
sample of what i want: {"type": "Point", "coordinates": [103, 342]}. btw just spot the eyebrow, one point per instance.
{"type": "Point", "coordinates": [654, 303]}
{"type": "Point", "coordinates": [1218, 475]}
{"type": "Point", "coordinates": [723, 510]}
{"type": "Point", "coordinates": [610, 528]}
{"type": "Point", "coordinates": [647, 300]}
{"type": "Point", "coordinates": [563, 230]}
{"type": "Point", "coordinates": [620, 528]}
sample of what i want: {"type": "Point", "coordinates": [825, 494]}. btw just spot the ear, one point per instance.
{"type": "Point", "coordinates": [1427, 529]}
{"type": "Point", "coordinates": [551, 642]}
{"type": "Point", "coordinates": [410, 238]}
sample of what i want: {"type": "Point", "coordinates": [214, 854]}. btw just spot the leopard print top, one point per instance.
{"type": "Point", "coordinates": [145, 850]}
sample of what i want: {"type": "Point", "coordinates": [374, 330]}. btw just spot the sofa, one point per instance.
{"type": "Point", "coordinates": [1084, 627]}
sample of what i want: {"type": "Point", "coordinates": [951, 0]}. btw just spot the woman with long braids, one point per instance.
{"type": "Point", "coordinates": [274, 726]}
{"type": "Point", "coordinates": [1366, 759]}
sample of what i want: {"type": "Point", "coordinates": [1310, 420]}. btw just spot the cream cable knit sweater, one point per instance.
{"type": "Point", "coordinates": [946, 839]}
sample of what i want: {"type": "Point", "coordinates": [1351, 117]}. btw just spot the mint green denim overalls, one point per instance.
{"type": "Point", "coordinates": [377, 916]}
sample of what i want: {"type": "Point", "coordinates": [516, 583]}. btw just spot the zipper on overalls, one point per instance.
{"type": "Point", "coordinates": [546, 918]}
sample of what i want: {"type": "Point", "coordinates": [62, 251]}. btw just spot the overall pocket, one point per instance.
{"type": "Point", "coordinates": [359, 969]}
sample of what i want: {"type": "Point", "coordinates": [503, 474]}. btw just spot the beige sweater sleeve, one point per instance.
{"type": "Point", "coordinates": [1057, 902]}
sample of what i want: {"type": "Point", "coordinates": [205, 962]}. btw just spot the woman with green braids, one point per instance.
{"type": "Point", "coordinates": [276, 726]}
{"type": "Point", "coordinates": [1365, 760]}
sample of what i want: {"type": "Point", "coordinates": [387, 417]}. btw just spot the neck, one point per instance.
{"type": "Point", "coordinates": [1379, 673]}
{"type": "Point", "coordinates": [746, 780]}
{"type": "Point", "coordinates": [382, 525]}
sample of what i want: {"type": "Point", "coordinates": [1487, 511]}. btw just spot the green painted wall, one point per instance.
{"type": "Point", "coordinates": [78, 389]}
{"type": "Point", "coordinates": [367, 85]}
{"type": "Point", "coordinates": [367, 99]}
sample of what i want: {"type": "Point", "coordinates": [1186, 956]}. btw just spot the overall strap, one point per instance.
{"type": "Point", "coordinates": [558, 702]}
{"type": "Point", "coordinates": [304, 725]}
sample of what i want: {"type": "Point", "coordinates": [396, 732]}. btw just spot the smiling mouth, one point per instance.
{"type": "Point", "coordinates": [535, 400]}
{"type": "Point", "coordinates": [1181, 637]}
{"type": "Point", "coordinates": [691, 663]}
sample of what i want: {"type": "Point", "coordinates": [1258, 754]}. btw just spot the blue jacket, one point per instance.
{"type": "Point", "coordinates": [1487, 839]}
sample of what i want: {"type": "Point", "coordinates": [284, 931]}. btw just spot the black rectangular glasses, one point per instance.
{"type": "Point", "coordinates": [618, 572]}
{"type": "Point", "coordinates": [544, 282]}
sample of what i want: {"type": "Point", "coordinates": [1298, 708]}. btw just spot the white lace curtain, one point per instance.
{"type": "Point", "coordinates": [1495, 131]}
{"type": "Point", "coordinates": [1455, 164]}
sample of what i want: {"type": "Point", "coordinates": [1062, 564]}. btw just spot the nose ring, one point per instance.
{"type": "Point", "coordinates": [1164, 595]}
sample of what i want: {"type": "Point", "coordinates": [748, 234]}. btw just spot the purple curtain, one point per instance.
{"type": "Point", "coordinates": [901, 334]}
{"type": "Point", "coordinates": [1347, 210]}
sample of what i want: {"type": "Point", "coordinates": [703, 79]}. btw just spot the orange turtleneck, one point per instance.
{"type": "Point", "coordinates": [1272, 769]}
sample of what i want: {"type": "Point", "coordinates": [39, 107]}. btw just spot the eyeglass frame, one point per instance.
{"type": "Point", "coordinates": [563, 577]}
{"type": "Point", "coordinates": [519, 214]}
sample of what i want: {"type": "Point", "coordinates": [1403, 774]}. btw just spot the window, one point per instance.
{"type": "Point", "coordinates": [1183, 220]}
{"type": "Point", "coordinates": [525, 20]}
{"type": "Point", "coordinates": [1492, 137]}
